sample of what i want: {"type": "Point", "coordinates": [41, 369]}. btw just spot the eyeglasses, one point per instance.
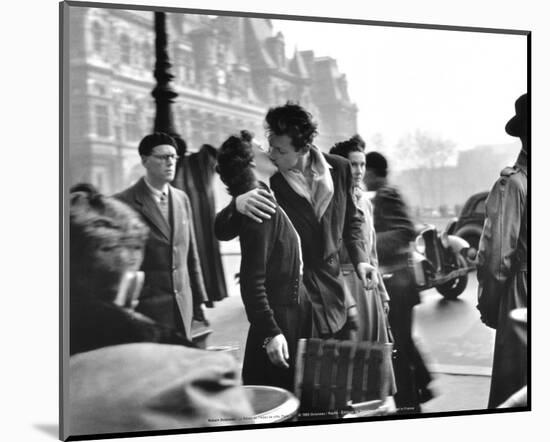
{"type": "Point", "coordinates": [166, 157]}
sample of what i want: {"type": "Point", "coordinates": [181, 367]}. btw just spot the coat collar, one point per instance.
{"type": "Point", "coordinates": [149, 208]}
{"type": "Point", "coordinates": [521, 162]}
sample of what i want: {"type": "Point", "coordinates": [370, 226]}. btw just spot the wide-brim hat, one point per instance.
{"type": "Point", "coordinates": [519, 124]}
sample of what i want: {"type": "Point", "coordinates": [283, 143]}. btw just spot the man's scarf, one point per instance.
{"type": "Point", "coordinates": [322, 187]}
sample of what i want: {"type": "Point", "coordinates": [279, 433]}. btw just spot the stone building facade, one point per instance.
{"type": "Point", "coordinates": [228, 72]}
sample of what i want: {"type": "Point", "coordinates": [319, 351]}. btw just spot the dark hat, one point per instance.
{"type": "Point", "coordinates": [149, 142]}
{"type": "Point", "coordinates": [519, 124]}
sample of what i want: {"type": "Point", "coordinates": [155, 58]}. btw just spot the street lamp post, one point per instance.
{"type": "Point", "coordinates": [164, 95]}
{"type": "Point", "coordinates": [163, 92]}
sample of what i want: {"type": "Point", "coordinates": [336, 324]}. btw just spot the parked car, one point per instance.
{"type": "Point", "coordinates": [440, 260]}
{"type": "Point", "coordinates": [469, 223]}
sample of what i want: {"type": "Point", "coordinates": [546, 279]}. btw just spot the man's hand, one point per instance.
{"type": "Point", "coordinates": [386, 307]}
{"type": "Point", "coordinates": [277, 351]}
{"type": "Point", "coordinates": [256, 204]}
{"type": "Point", "coordinates": [368, 275]}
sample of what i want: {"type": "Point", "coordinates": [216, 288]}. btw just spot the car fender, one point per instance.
{"type": "Point", "coordinates": [417, 261]}
{"type": "Point", "coordinates": [457, 244]}
{"type": "Point", "coordinates": [468, 230]}
{"type": "Point", "coordinates": [451, 226]}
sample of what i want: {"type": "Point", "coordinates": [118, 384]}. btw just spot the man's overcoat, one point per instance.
{"type": "Point", "coordinates": [502, 276]}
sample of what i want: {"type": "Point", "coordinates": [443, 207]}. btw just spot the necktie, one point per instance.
{"type": "Point", "coordinates": [163, 205]}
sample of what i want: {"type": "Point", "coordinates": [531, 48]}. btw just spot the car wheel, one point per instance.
{"type": "Point", "coordinates": [454, 288]}
{"type": "Point", "coordinates": [473, 240]}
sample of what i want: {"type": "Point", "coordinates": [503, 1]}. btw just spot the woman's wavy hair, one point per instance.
{"type": "Point", "coordinates": [344, 148]}
{"type": "Point", "coordinates": [292, 120]}
{"type": "Point", "coordinates": [234, 163]}
{"type": "Point", "coordinates": [95, 219]}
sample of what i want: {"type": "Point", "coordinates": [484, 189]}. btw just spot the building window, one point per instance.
{"type": "Point", "coordinates": [210, 129]}
{"type": "Point", "coordinates": [221, 77]}
{"type": "Point", "coordinates": [131, 127]}
{"type": "Point", "coordinates": [221, 53]}
{"type": "Point", "coordinates": [189, 68]}
{"type": "Point", "coordinates": [102, 120]}
{"type": "Point", "coordinates": [150, 123]}
{"type": "Point", "coordinates": [125, 49]}
{"type": "Point", "coordinates": [184, 64]}
{"type": "Point", "coordinates": [97, 37]}
{"type": "Point", "coordinates": [147, 56]}
{"type": "Point", "coordinates": [99, 180]}
{"type": "Point", "coordinates": [100, 90]}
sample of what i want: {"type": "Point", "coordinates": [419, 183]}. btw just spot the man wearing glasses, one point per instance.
{"type": "Point", "coordinates": [173, 291]}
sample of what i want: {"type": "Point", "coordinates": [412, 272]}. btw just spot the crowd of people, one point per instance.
{"type": "Point", "coordinates": [320, 258]}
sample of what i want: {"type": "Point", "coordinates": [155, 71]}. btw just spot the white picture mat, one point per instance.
{"type": "Point", "coordinates": [30, 217]}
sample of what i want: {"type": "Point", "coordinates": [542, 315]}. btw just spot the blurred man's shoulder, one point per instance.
{"type": "Point", "coordinates": [388, 191]}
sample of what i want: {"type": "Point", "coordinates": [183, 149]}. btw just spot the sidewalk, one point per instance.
{"type": "Point", "coordinates": [454, 392]}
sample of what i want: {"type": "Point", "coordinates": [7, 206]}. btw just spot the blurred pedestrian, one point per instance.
{"type": "Point", "coordinates": [107, 241]}
{"type": "Point", "coordinates": [502, 262]}
{"type": "Point", "coordinates": [315, 191]}
{"type": "Point", "coordinates": [394, 233]}
{"type": "Point", "coordinates": [270, 275]}
{"type": "Point", "coordinates": [173, 292]}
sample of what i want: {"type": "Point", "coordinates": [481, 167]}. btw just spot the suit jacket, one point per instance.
{"type": "Point", "coordinates": [321, 241]}
{"type": "Point", "coordinates": [173, 279]}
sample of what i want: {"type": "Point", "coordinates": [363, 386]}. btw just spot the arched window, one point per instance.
{"type": "Point", "coordinates": [97, 37]}
{"type": "Point", "coordinates": [125, 49]}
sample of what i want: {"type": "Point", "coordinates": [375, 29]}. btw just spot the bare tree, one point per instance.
{"type": "Point", "coordinates": [425, 153]}
{"type": "Point", "coordinates": [377, 142]}
{"type": "Point", "coordinates": [425, 150]}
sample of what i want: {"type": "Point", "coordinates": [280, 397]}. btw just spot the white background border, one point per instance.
{"type": "Point", "coordinates": [29, 183]}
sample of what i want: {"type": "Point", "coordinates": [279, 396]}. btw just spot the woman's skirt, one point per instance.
{"type": "Point", "coordinates": [373, 324]}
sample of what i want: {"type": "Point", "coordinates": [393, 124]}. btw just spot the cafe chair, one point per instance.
{"type": "Point", "coordinates": [341, 379]}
